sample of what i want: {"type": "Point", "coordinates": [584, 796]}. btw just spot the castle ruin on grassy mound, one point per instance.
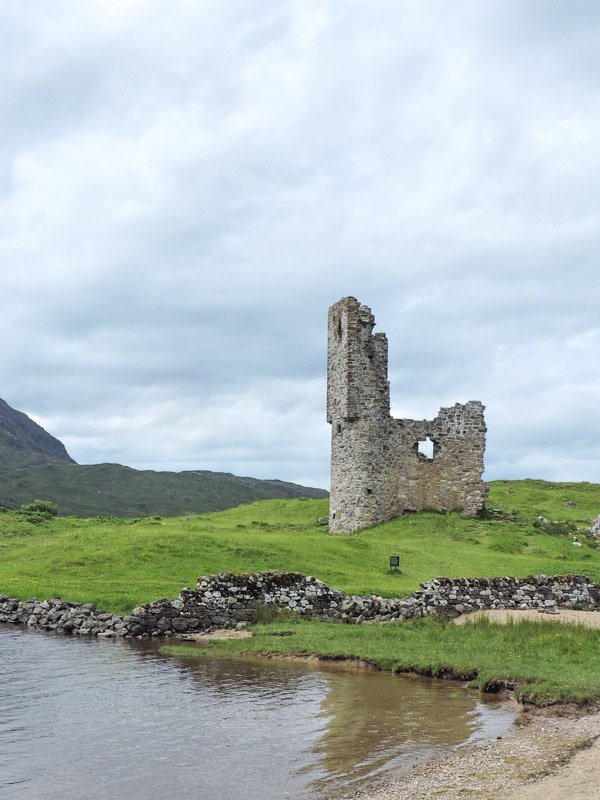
{"type": "Point", "coordinates": [378, 469]}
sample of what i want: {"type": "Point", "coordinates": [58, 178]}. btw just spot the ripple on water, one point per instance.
{"type": "Point", "coordinates": [104, 720]}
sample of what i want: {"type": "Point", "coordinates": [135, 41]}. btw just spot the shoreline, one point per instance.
{"type": "Point", "coordinates": [552, 752]}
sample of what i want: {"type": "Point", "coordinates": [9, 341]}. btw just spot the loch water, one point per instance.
{"type": "Point", "coordinates": [118, 720]}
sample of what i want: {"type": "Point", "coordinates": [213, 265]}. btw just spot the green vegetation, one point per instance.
{"type": "Point", "coordinates": [120, 563]}
{"type": "Point", "coordinates": [42, 509]}
{"type": "Point", "coordinates": [35, 464]}
{"type": "Point", "coordinates": [111, 489]}
{"type": "Point", "coordinates": [544, 661]}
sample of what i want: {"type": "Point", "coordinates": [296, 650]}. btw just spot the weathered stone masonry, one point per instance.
{"type": "Point", "coordinates": [229, 601]}
{"type": "Point", "coordinates": [377, 471]}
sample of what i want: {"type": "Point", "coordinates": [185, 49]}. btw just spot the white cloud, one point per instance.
{"type": "Point", "coordinates": [185, 188]}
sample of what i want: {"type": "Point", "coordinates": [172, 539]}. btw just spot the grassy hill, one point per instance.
{"type": "Point", "coordinates": [86, 490]}
{"type": "Point", "coordinates": [119, 563]}
{"type": "Point", "coordinates": [34, 464]}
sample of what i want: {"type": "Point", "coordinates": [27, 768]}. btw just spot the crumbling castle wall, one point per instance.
{"type": "Point", "coordinates": [377, 471]}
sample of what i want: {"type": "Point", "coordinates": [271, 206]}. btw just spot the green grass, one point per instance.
{"type": "Point", "coordinates": [545, 661]}
{"type": "Point", "coordinates": [119, 564]}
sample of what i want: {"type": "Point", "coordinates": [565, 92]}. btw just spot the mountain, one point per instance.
{"type": "Point", "coordinates": [33, 464]}
{"type": "Point", "coordinates": [23, 442]}
{"type": "Point", "coordinates": [113, 490]}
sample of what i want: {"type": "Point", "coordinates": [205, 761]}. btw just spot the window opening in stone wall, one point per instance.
{"type": "Point", "coordinates": [339, 428]}
{"type": "Point", "coordinates": [425, 449]}
{"type": "Point", "coordinates": [369, 491]}
{"type": "Point", "coordinates": [338, 327]}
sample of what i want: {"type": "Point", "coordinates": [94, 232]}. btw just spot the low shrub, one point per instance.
{"type": "Point", "coordinates": [562, 528]}
{"type": "Point", "coordinates": [39, 511]}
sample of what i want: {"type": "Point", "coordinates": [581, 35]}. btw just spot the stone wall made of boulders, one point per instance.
{"type": "Point", "coordinates": [230, 601]}
{"type": "Point", "coordinates": [227, 601]}
{"type": "Point", "coordinates": [452, 597]}
{"type": "Point", "coordinates": [58, 615]}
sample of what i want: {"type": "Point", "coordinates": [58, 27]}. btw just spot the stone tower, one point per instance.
{"type": "Point", "coordinates": [377, 469]}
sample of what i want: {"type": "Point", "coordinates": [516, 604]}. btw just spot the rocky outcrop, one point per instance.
{"type": "Point", "coordinates": [229, 601]}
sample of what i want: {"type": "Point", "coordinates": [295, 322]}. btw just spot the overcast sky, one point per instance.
{"type": "Point", "coordinates": [186, 187]}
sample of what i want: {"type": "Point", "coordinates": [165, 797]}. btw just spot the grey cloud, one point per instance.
{"type": "Point", "coordinates": [188, 191]}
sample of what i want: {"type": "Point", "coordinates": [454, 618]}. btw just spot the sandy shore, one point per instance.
{"type": "Point", "coordinates": [552, 753]}
{"type": "Point", "coordinates": [589, 619]}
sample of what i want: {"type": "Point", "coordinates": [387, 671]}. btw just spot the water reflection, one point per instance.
{"type": "Point", "coordinates": [371, 722]}
{"type": "Point", "coordinates": [386, 722]}
{"type": "Point", "coordinates": [100, 720]}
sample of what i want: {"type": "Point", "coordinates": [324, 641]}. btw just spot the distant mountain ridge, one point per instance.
{"type": "Point", "coordinates": [33, 464]}
{"type": "Point", "coordinates": [23, 442]}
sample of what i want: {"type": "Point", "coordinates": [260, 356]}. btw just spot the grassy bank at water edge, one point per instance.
{"type": "Point", "coordinates": [543, 661]}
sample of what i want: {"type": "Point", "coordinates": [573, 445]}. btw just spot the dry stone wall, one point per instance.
{"type": "Point", "coordinates": [377, 471]}
{"type": "Point", "coordinates": [449, 597]}
{"type": "Point", "coordinates": [230, 601]}
{"type": "Point", "coordinates": [59, 615]}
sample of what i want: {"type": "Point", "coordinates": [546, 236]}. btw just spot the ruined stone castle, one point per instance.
{"type": "Point", "coordinates": [378, 467]}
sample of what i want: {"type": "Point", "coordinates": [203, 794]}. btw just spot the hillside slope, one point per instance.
{"type": "Point", "coordinates": [24, 442]}
{"type": "Point", "coordinates": [119, 564]}
{"type": "Point", "coordinates": [87, 490]}
{"type": "Point", "coordinates": [33, 464]}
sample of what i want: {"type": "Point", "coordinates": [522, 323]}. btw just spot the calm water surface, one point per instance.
{"type": "Point", "coordinates": [111, 720]}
